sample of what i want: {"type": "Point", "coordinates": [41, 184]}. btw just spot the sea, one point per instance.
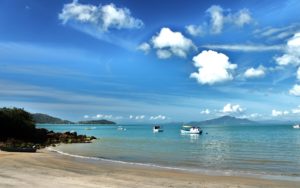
{"type": "Point", "coordinates": [266, 151]}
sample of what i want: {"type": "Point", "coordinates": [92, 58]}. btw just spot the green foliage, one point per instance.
{"type": "Point", "coordinates": [16, 123]}
{"type": "Point", "coordinates": [44, 118]}
{"type": "Point", "coordinates": [102, 121]}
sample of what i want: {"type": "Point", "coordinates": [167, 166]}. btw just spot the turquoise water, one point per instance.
{"type": "Point", "coordinates": [263, 150]}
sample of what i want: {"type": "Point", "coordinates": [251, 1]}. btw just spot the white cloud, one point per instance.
{"type": "Point", "coordinates": [174, 42]}
{"type": "Point", "coordinates": [145, 47]}
{"type": "Point", "coordinates": [85, 116]}
{"type": "Point", "coordinates": [279, 33]}
{"type": "Point", "coordinates": [195, 30]}
{"type": "Point", "coordinates": [277, 113]}
{"type": "Point", "coordinates": [158, 117]}
{"type": "Point", "coordinates": [296, 110]}
{"type": "Point", "coordinates": [295, 90]}
{"type": "Point", "coordinates": [103, 17]}
{"type": "Point", "coordinates": [206, 111]}
{"type": "Point", "coordinates": [218, 18]}
{"type": "Point", "coordinates": [298, 73]}
{"type": "Point", "coordinates": [103, 116]}
{"type": "Point", "coordinates": [255, 115]}
{"type": "Point", "coordinates": [244, 47]}
{"type": "Point", "coordinates": [163, 54]}
{"type": "Point", "coordinates": [140, 117]}
{"type": "Point", "coordinates": [242, 17]}
{"type": "Point", "coordinates": [230, 108]}
{"type": "Point", "coordinates": [213, 67]}
{"type": "Point", "coordinates": [255, 73]}
{"type": "Point", "coordinates": [292, 52]}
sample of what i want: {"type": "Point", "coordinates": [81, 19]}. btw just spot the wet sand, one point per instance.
{"type": "Point", "coordinates": [49, 169]}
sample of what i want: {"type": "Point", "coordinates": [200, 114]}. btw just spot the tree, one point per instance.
{"type": "Point", "coordinates": [16, 123]}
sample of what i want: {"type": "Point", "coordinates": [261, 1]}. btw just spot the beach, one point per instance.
{"type": "Point", "coordinates": [49, 169]}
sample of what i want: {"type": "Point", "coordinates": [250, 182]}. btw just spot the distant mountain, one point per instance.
{"type": "Point", "coordinates": [102, 121]}
{"type": "Point", "coordinates": [224, 120]}
{"type": "Point", "coordinates": [44, 118]}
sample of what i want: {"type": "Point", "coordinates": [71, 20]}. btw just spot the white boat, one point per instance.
{"type": "Point", "coordinates": [187, 129]}
{"type": "Point", "coordinates": [157, 129]}
{"type": "Point", "coordinates": [120, 128]}
{"type": "Point", "coordinates": [296, 126]}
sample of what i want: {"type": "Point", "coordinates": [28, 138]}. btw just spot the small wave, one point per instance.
{"type": "Point", "coordinates": [201, 171]}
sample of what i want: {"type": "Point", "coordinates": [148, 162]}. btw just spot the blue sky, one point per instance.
{"type": "Point", "coordinates": [151, 61]}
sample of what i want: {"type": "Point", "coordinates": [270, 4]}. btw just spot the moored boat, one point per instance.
{"type": "Point", "coordinates": [296, 126]}
{"type": "Point", "coordinates": [157, 129]}
{"type": "Point", "coordinates": [120, 128]}
{"type": "Point", "coordinates": [187, 129]}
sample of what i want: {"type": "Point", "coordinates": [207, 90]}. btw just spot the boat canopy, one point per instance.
{"type": "Point", "coordinates": [187, 126]}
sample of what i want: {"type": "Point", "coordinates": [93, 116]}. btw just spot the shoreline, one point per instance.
{"type": "Point", "coordinates": [50, 169]}
{"type": "Point", "coordinates": [208, 172]}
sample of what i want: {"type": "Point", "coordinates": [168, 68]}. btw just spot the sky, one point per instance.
{"type": "Point", "coordinates": [135, 61]}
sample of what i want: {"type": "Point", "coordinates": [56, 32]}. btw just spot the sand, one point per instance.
{"type": "Point", "coordinates": [49, 169]}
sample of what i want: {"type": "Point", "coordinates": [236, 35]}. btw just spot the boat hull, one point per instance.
{"type": "Point", "coordinates": [296, 126]}
{"type": "Point", "coordinates": [191, 131]}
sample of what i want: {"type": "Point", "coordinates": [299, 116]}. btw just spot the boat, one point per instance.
{"type": "Point", "coordinates": [187, 129]}
{"type": "Point", "coordinates": [296, 126]}
{"type": "Point", "coordinates": [157, 129]}
{"type": "Point", "coordinates": [120, 128]}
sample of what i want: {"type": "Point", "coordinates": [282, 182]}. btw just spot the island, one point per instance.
{"type": "Point", "coordinates": [224, 120]}
{"type": "Point", "coordinates": [47, 119]}
{"type": "Point", "coordinates": [102, 121]}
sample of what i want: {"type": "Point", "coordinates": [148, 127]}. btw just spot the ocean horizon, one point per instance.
{"type": "Point", "coordinates": [270, 151]}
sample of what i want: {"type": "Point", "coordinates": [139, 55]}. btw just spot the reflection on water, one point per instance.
{"type": "Point", "coordinates": [261, 149]}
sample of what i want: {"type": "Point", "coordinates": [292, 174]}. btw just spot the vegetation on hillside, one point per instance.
{"type": "Point", "coordinates": [44, 118]}
{"type": "Point", "coordinates": [17, 129]}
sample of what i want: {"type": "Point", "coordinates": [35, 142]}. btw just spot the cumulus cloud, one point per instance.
{"type": "Point", "coordinates": [195, 30]}
{"type": "Point", "coordinates": [242, 17]}
{"type": "Point", "coordinates": [255, 73]}
{"type": "Point", "coordinates": [145, 47]}
{"type": "Point", "coordinates": [103, 17]}
{"type": "Point", "coordinates": [255, 115]}
{"type": "Point", "coordinates": [138, 117]}
{"type": "Point", "coordinates": [296, 110]}
{"type": "Point", "coordinates": [158, 117]}
{"type": "Point", "coordinates": [163, 54]}
{"type": "Point", "coordinates": [219, 17]}
{"type": "Point", "coordinates": [86, 116]}
{"type": "Point", "coordinates": [231, 108]}
{"type": "Point", "coordinates": [295, 90]}
{"type": "Point", "coordinates": [277, 113]}
{"type": "Point", "coordinates": [103, 116]}
{"type": "Point", "coordinates": [292, 52]}
{"type": "Point", "coordinates": [171, 43]}
{"type": "Point", "coordinates": [206, 112]}
{"type": "Point", "coordinates": [213, 67]}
